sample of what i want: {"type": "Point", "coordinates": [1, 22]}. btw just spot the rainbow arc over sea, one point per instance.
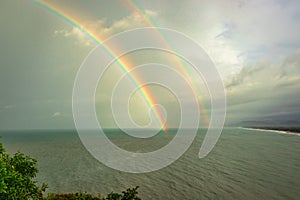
{"type": "Point", "coordinates": [122, 63]}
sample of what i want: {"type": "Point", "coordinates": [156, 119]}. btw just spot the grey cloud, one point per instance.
{"type": "Point", "coordinates": [265, 89]}
{"type": "Point", "coordinates": [267, 73]}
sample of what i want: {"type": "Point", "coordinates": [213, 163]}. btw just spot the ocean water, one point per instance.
{"type": "Point", "coordinates": [245, 164]}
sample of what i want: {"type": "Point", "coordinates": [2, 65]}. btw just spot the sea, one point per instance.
{"type": "Point", "coordinates": [244, 164]}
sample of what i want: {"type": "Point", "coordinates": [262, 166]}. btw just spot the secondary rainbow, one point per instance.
{"type": "Point", "coordinates": [148, 98]}
{"type": "Point", "coordinates": [136, 7]}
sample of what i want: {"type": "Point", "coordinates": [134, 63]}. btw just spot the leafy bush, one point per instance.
{"type": "Point", "coordinates": [16, 177]}
{"type": "Point", "coordinates": [71, 196]}
{"type": "Point", "coordinates": [16, 182]}
{"type": "Point", "coordinates": [129, 194]}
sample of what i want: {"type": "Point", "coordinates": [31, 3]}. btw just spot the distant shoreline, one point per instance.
{"type": "Point", "coordinates": [279, 130]}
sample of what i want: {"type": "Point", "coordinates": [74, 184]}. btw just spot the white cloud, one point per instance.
{"type": "Point", "coordinates": [56, 114]}
{"type": "Point", "coordinates": [261, 29]}
{"type": "Point", "coordinates": [9, 106]}
{"type": "Point", "coordinates": [151, 13]}
{"type": "Point", "coordinates": [100, 30]}
{"type": "Point", "coordinates": [233, 32]}
{"type": "Point", "coordinates": [81, 38]}
{"type": "Point", "coordinates": [238, 32]}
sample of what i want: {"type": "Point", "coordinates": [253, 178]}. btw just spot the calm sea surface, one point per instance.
{"type": "Point", "coordinates": [245, 164]}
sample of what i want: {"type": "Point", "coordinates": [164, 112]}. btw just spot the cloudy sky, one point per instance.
{"type": "Point", "coordinates": [255, 46]}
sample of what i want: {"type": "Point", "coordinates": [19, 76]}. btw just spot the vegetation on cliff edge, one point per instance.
{"type": "Point", "coordinates": [17, 173]}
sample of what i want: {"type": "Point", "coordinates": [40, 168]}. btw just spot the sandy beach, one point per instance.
{"type": "Point", "coordinates": [274, 131]}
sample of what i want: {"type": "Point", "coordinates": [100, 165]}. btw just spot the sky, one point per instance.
{"type": "Point", "coordinates": [255, 46]}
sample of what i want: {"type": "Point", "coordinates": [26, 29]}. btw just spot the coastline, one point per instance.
{"type": "Point", "coordinates": [272, 130]}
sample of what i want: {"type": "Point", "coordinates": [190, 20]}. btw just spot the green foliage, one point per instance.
{"type": "Point", "coordinates": [1, 149]}
{"type": "Point", "coordinates": [129, 194]}
{"type": "Point", "coordinates": [16, 177]}
{"type": "Point", "coordinates": [16, 182]}
{"type": "Point", "coordinates": [72, 196]}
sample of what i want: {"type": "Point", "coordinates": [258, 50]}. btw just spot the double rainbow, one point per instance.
{"type": "Point", "coordinates": [121, 62]}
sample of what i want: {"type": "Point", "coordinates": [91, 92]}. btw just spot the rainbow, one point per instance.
{"type": "Point", "coordinates": [136, 7]}
{"type": "Point", "coordinates": [149, 99]}
{"type": "Point", "coordinates": [121, 62]}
